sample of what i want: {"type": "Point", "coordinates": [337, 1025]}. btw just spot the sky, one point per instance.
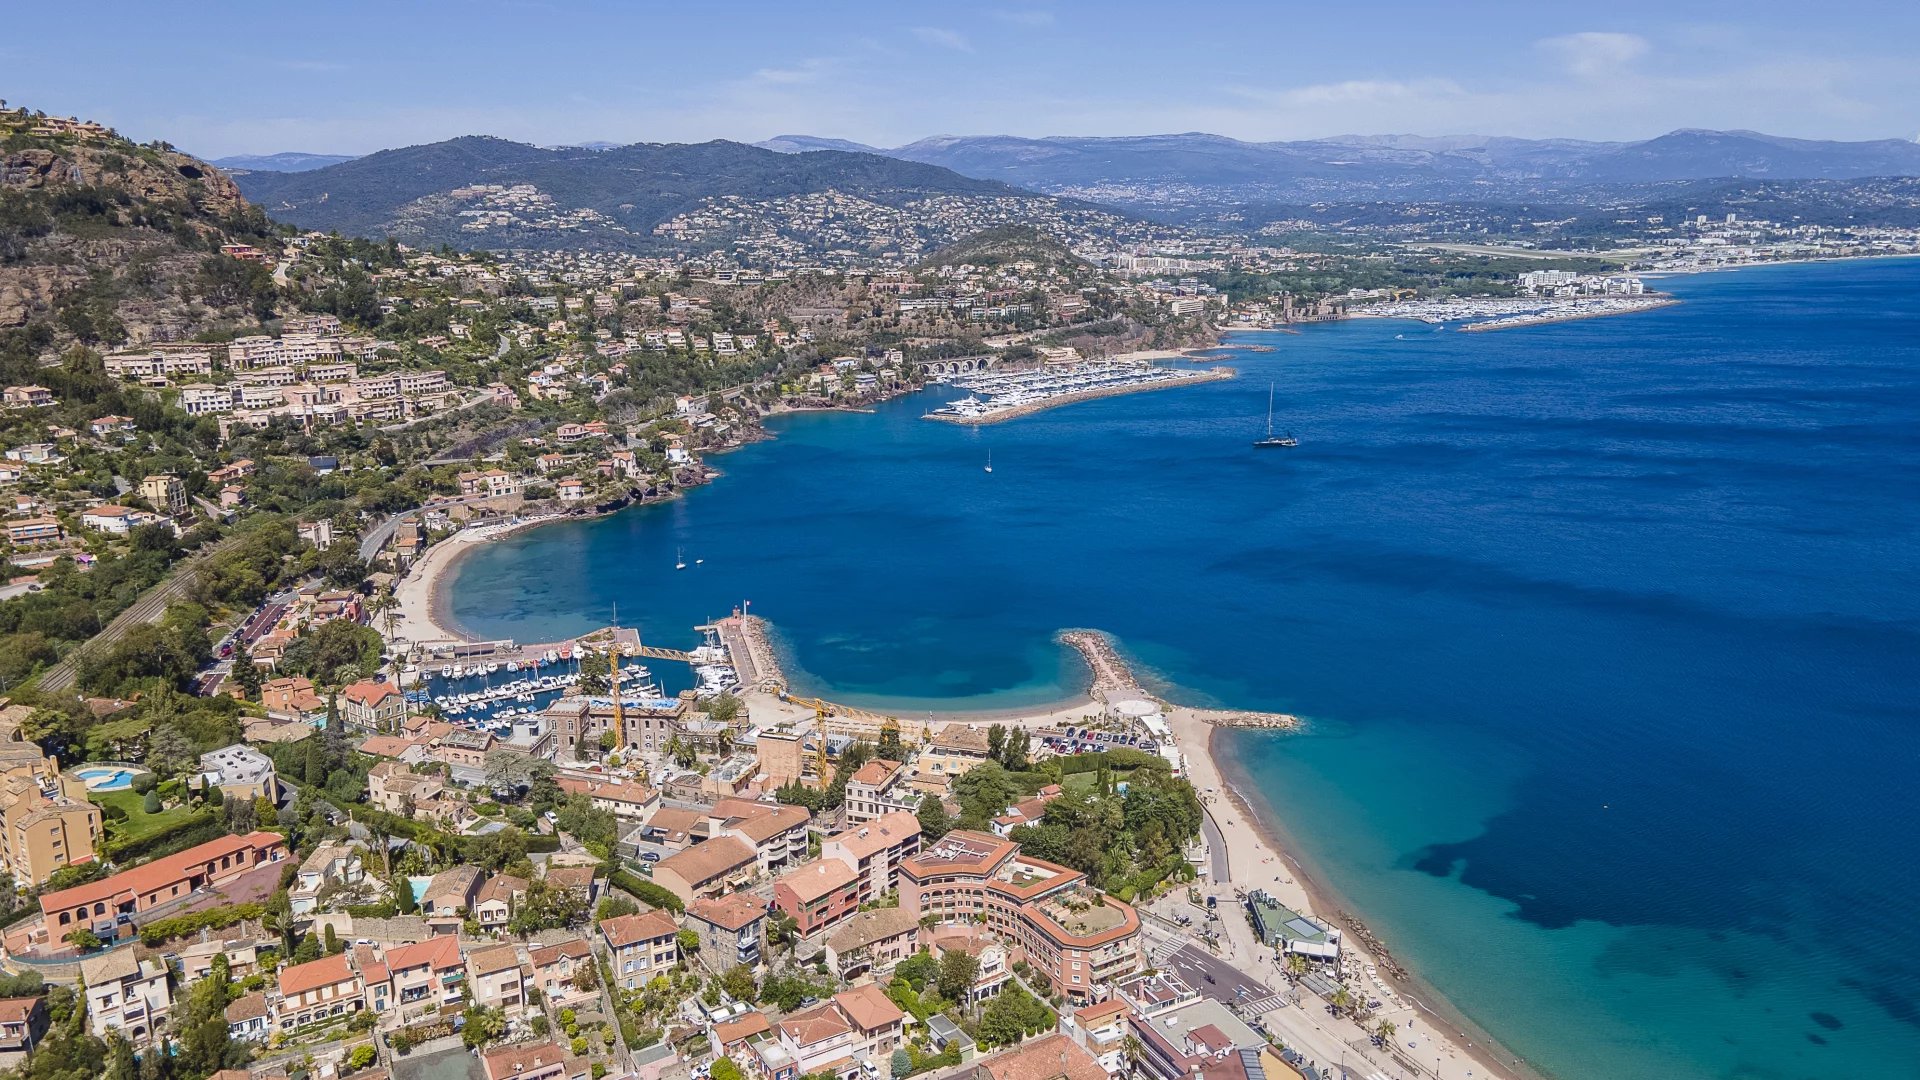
{"type": "Point", "coordinates": [221, 77]}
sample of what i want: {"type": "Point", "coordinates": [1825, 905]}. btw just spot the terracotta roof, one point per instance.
{"type": "Point", "coordinates": [439, 952]}
{"type": "Point", "coordinates": [576, 948]}
{"type": "Point", "coordinates": [733, 911]}
{"type": "Point", "coordinates": [250, 1007]}
{"type": "Point", "coordinates": [367, 959]}
{"type": "Point", "coordinates": [763, 827]}
{"type": "Point", "coordinates": [811, 881]}
{"type": "Point", "coordinates": [498, 958]}
{"type": "Point", "coordinates": [509, 1060]}
{"type": "Point", "coordinates": [868, 1007]}
{"type": "Point", "coordinates": [369, 693]}
{"type": "Point", "coordinates": [503, 887]}
{"type": "Point", "coordinates": [816, 1024]}
{"type": "Point", "coordinates": [104, 968]}
{"type": "Point", "coordinates": [960, 737]}
{"type": "Point", "coordinates": [672, 819]}
{"type": "Point", "coordinates": [734, 1030]}
{"type": "Point", "coordinates": [624, 930]}
{"type": "Point", "coordinates": [17, 1010]}
{"type": "Point", "coordinates": [704, 862]}
{"type": "Point", "coordinates": [159, 872]}
{"type": "Point", "coordinates": [875, 772]}
{"type": "Point", "coordinates": [868, 927]}
{"type": "Point", "coordinates": [878, 835]}
{"type": "Point", "coordinates": [325, 971]}
{"type": "Point", "coordinates": [611, 790]}
{"type": "Point", "coordinates": [570, 877]}
{"type": "Point", "coordinates": [1055, 1057]}
{"type": "Point", "coordinates": [386, 745]}
{"type": "Point", "coordinates": [1100, 1010]}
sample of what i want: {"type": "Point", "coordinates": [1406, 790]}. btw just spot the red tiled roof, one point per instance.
{"type": "Point", "coordinates": [325, 971]}
{"type": "Point", "coordinates": [868, 1007]}
{"type": "Point", "coordinates": [370, 693]}
{"type": "Point", "coordinates": [624, 930]}
{"type": "Point", "coordinates": [730, 912]}
{"type": "Point", "coordinates": [438, 952]}
{"type": "Point", "coordinates": [734, 1030]}
{"type": "Point", "coordinates": [160, 872]}
{"type": "Point", "coordinates": [811, 881]}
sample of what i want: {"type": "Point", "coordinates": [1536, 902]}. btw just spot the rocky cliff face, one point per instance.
{"type": "Point", "coordinates": [103, 241]}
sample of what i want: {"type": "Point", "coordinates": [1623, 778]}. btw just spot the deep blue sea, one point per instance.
{"type": "Point", "coordinates": [1608, 634]}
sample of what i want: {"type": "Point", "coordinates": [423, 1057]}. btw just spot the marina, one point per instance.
{"type": "Point", "coordinates": [1004, 395]}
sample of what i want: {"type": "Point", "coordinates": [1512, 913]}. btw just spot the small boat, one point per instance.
{"type": "Point", "coordinates": [1273, 440]}
{"type": "Point", "coordinates": [989, 461]}
{"type": "Point", "coordinates": [680, 560]}
{"type": "Point", "coordinates": [697, 562]}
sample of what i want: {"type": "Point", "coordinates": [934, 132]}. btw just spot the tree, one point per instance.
{"type": "Point", "coordinates": [83, 939]}
{"type": "Point", "coordinates": [900, 1065]}
{"type": "Point", "coordinates": [689, 942]}
{"type": "Point", "coordinates": [918, 969]}
{"type": "Point", "coordinates": [361, 1057]}
{"type": "Point", "coordinates": [246, 674]}
{"type": "Point", "coordinates": [934, 819]}
{"type": "Point", "coordinates": [483, 1025]}
{"type": "Point", "coordinates": [1342, 1000]}
{"type": "Point", "coordinates": [725, 1069]}
{"type": "Point", "coordinates": [996, 741]}
{"type": "Point", "coordinates": [1133, 1051]}
{"type": "Point", "coordinates": [738, 982]}
{"type": "Point", "coordinates": [595, 674]}
{"type": "Point", "coordinates": [958, 969]}
{"type": "Point", "coordinates": [1383, 1032]}
{"type": "Point", "coordinates": [614, 905]}
{"type": "Point", "coordinates": [151, 804]}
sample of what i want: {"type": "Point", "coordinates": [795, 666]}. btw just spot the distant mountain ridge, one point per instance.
{"type": "Point", "coordinates": [457, 191]}
{"type": "Point", "coordinates": [1127, 169]}
{"type": "Point", "coordinates": [289, 161]}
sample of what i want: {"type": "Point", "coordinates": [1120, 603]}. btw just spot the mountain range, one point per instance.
{"type": "Point", "coordinates": [291, 161]}
{"type": "Point", "coordinates": [482, 191]}
{"type": "Point", "coordinates": [1197, 167]}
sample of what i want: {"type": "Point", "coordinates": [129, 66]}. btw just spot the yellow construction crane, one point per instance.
{"type": "Point", "coordinates": [820, 709]}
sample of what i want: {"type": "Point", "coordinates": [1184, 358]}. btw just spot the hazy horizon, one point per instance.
{"type": "Point", "coordinates": [367, 77]}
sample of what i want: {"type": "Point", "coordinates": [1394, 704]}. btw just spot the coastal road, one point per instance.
{"type": "Point", "coordinates": [1215, 978]}
{"type": "Point", "coordinates": [1219, 872]}
{"type": "Point", "coordinates": [376, 538]}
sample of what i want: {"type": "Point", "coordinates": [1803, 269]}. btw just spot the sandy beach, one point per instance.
{"type": "Point", "coordinates": [415, 594]}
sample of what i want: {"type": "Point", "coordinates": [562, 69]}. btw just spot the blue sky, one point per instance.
{"type": "Point", "coordinates": [221, 77]}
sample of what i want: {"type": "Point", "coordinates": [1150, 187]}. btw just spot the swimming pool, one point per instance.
{"type": "Point", "coordinates": [105, 777]}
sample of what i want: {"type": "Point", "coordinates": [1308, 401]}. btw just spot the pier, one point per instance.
{"type": "Point", "coordinates": [1010, 395]}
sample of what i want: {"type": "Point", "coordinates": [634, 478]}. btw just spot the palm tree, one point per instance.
{"type": "Point", "coordinates": [1383, 1032]}
{"type": "Point", "coordinates": [1296, 965]}
{"type": "Point", "coordinates": [1342, 1000]}
{"type": "Point", "coordinates": [1133, 1051]}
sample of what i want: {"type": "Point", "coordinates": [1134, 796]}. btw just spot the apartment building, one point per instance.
{"type": "Point", "coordinates": [708, 869]}
{"type": "Point", "coordinates": [557, 966]}
{"type": "Point", "coordinates": [46, 821]}
{"type": "Point", "coordinates": [819, 895]}
{"type": "Point", "coordinates": [872, 942]}
{"type": "Point", "coordinates": [879, 787]}
{"type": "Point", "coordinates": [108, 905]}
{"type": "Point", "coordinates": [778, 833]}
{"type": "Point", "coordinates": [854, 1028]}
{"type": "Point", "coordinates": [497, 978]}
{"type": "Point", "coordinates": [732, 929]}
{"type": "Point", "coordinates": [127, 995]}
{"type": "Point", "coordinates": [373, 706]}
{"type": "Point", "coordinates": [955, 751]}
{"type": "Point", "coordinates": [875, 850]}
{"type": "Point", "coordinates": [319, 989]}
{"type": "Point", "coordinates": [1073, 935]}
{"type": "Point", "coordinates": [426, 976]}
{"type": "Point", "coordinates": [166, 493]}
{"type": "Point", "coordinates": [642, 946]}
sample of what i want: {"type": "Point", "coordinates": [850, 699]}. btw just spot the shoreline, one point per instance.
{"type": "Point", "coordinates": [1520, 322]}
{"type": "Point", "coordinates": [1014, 413]}
{"type": "Point", "coordinates": [1320, 898]}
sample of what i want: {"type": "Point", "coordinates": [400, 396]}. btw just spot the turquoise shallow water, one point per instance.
{"type": "Point", "coordinates": [1609, 634]}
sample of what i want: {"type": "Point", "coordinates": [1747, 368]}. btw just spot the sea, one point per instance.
{"type": "Point", "coordinates": [1606, 634]}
